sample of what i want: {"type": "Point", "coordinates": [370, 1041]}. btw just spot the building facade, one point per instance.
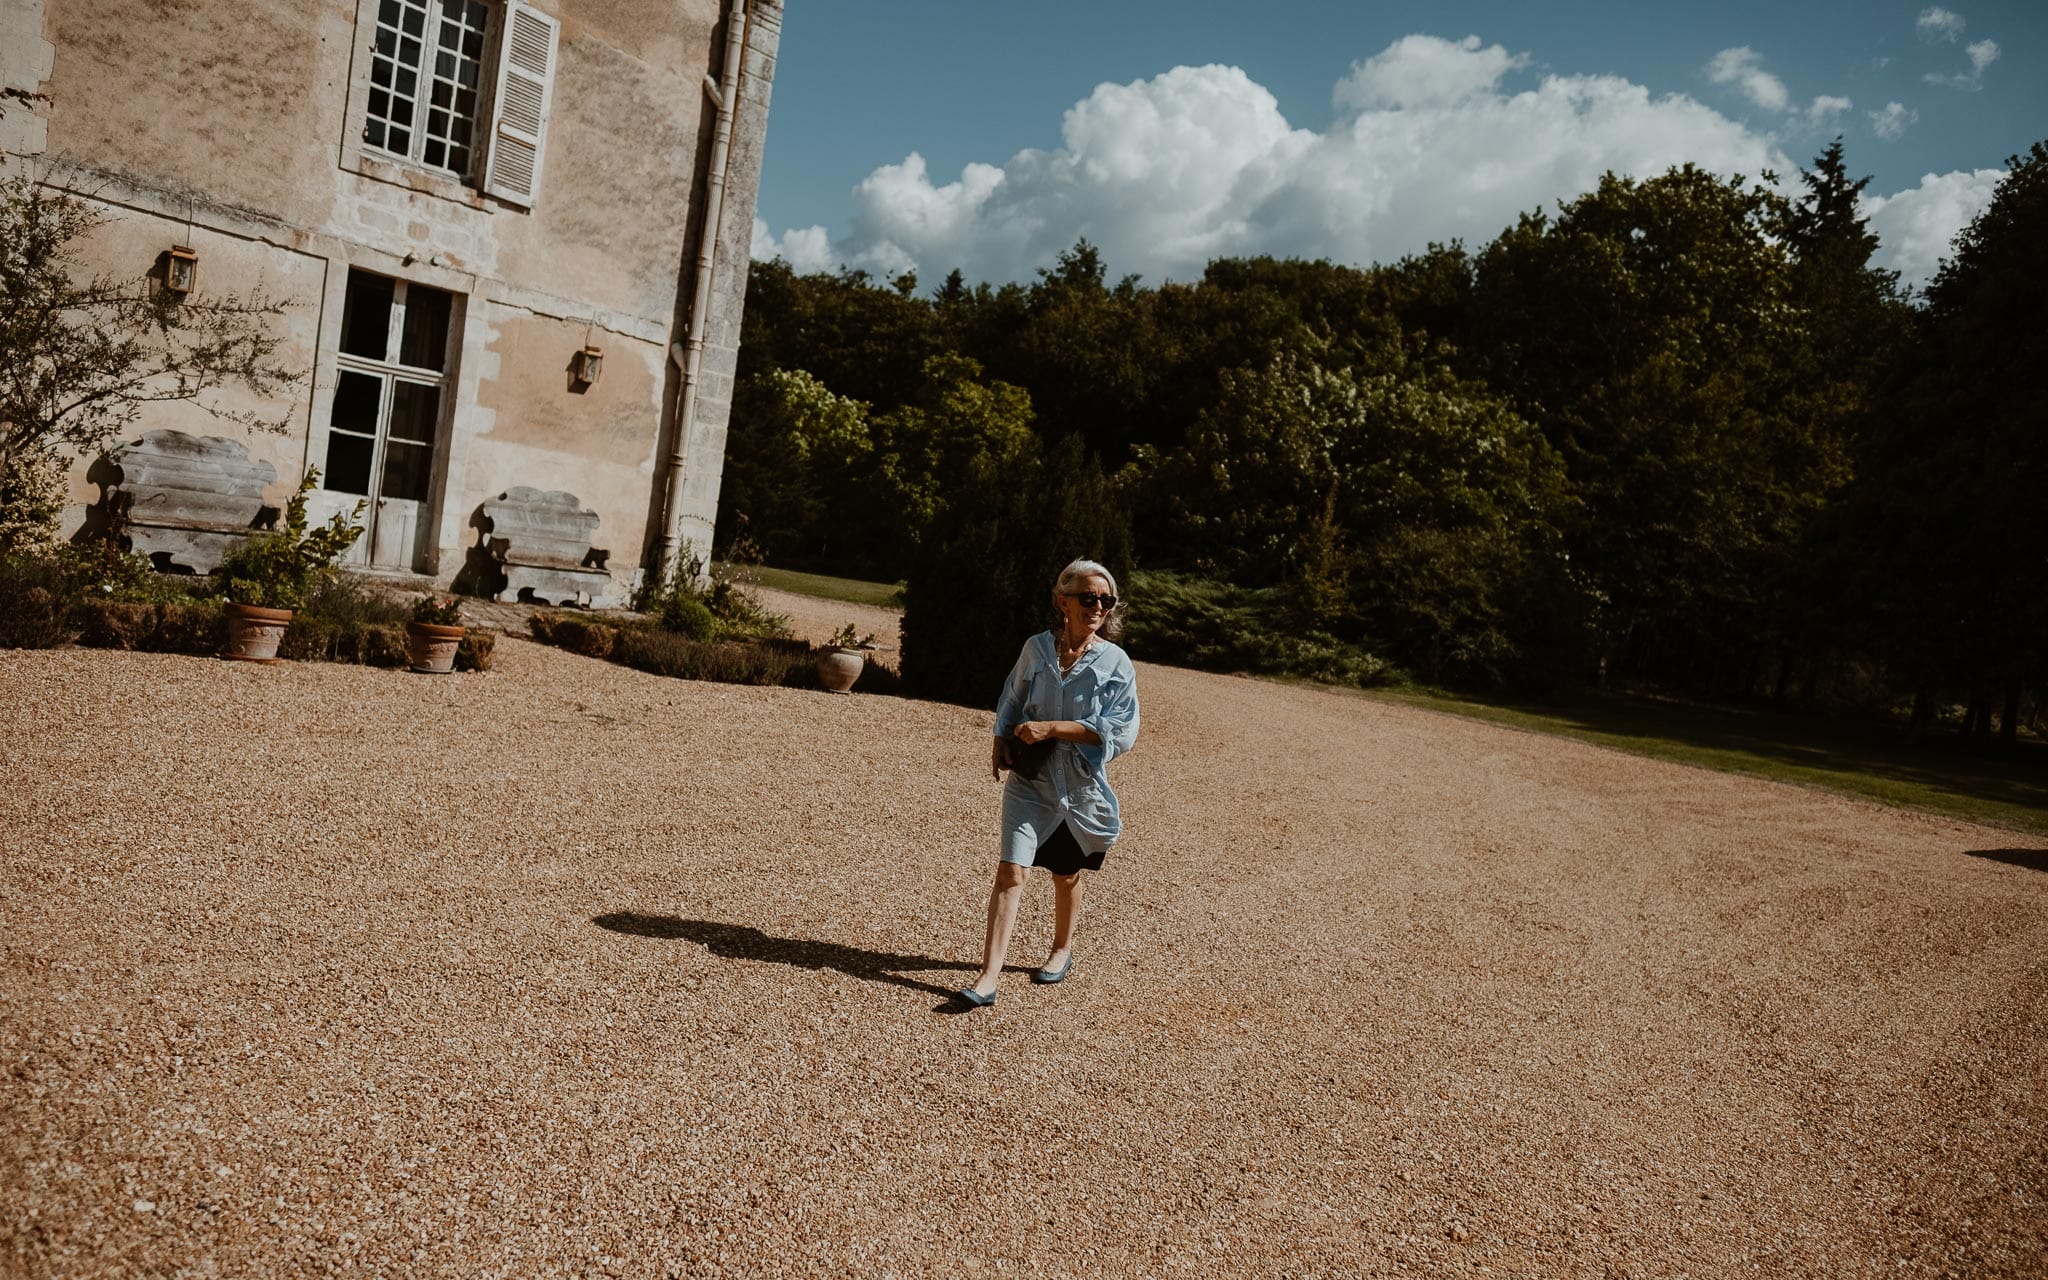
{"type": "Point", "coordinates": [510, 237]}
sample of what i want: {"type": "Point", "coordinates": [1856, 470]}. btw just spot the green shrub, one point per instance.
{"type": "Point", "coordinates": [478, 650]}
{"type": "Point", "coordinates": [280, 570]}
{"type": "Point", "coordinates": [565, 631]}
{"type": "Point", "coordinates": [197, 628]}
{"type": "Point", "coordinates": [770, 660]}
{"type": "Point", "coordinates": [102, 570]}
{"type": "Point", "coordinates": [344, 619]}
{"type": "Point", "coordinates": [1216, 626]}
{"type": "Point", "coordinates": [372, 644]}
{"type": "Point", "coordinates": [664, 653]}
{"type": "Point", "coordinates": [36, 600]}
{"type": "Point", "coordinates": [705, 602]}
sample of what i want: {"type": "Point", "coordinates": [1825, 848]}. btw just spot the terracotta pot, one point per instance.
{"type": "Point", "coordinates": [839, 667]}
{"type": "Point", "coordinates": [432, 648]}
{"type": "Point", "coordinates": [253, 632]}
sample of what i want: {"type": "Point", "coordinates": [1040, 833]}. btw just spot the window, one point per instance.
{"type": "Point", "coordinates": [430, 101]}
{"type": "Point", "coordinates": [391, 368]}
{"type": "Point", "coordinates": [436, 46]}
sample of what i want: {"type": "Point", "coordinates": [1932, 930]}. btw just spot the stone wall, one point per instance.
{"type": "Point", "coordinates": [233, 126]}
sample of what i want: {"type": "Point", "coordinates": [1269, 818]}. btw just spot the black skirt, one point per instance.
{"type": "Point", "coordinates": [1061, 854]}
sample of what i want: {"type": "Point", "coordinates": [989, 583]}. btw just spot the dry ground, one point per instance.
{"type": "Point", "coordinates": [567, 969]}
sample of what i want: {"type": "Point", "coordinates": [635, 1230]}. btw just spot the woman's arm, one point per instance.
{"type": "Point", "coordinates": [1032, 731]}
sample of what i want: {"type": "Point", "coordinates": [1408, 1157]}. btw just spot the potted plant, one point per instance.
{"type": "Point", "coordinates": [842, 658]}
{"type": "Point", "coordinates": [267, 577]}
{"type": "Point", "coordinates": [434, 634]}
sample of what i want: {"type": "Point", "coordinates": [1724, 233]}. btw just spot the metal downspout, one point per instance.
{"type": "Point", "coordinates": [726, 96]}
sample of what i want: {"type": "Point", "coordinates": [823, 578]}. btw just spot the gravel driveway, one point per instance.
{"type": "Point", "coordinates": [567, 969]}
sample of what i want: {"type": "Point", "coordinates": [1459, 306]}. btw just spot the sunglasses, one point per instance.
{"type": "Point", "coordinates": [1088, 599]}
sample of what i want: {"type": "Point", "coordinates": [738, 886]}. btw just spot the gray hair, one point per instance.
{"type": "Point", "coordinates": [1070, 578]}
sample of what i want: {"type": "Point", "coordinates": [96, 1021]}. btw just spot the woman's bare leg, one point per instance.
{"type": "Point", "coordinates": [1002, 917]}
{"type": "Point", "coordinates": [1066, 913]}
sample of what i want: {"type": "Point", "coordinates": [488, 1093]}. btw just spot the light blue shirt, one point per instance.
{"type": "Point", "coordinates": [1100, 691]}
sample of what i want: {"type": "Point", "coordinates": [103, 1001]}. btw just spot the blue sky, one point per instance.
{"type": "Point", "coordinates": [988, 134]}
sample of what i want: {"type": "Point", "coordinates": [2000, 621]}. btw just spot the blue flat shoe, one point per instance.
{"type": "Point", "coordinates": [1046, 977]}
{"type": "Point", "coordinates": [975, 998]}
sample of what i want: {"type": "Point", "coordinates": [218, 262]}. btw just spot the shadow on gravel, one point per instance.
{"type": "Point", "coordinates": [743, 942]}
{"type": "Point", "coordinates": [2031, 859]}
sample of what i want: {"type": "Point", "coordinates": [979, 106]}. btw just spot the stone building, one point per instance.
{"type": "Point", "coordinates": [511, 238]}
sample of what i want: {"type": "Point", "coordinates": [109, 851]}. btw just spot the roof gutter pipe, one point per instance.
{"type": "Point", "coordinates": [690, 354]}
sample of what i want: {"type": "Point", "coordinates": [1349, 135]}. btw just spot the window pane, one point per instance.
{"type": "Point", "coordinates": [352, 442]}
{"type": "Point", "coordinates": [413, 410]}
{"type": "Point", "coordinates": [366, 318]}
{"type": "Point", "coordinates": [394, 76]}
{"type": "Point", "coordinates": [407, 469]}
{"type": "Point", "coordinates": [457, 70]}
{"type": "Point", "coordinates": [348, 464]}
{"type": "Point", "coordinates": [355, 403]}
{"type": "Point", "coordinates": [425, 342]}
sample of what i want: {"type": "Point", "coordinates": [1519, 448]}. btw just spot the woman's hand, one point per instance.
{"type": "Point", "coordinates": [998, 757]}
{"type": "Point", "coordinates": [1033, 732]}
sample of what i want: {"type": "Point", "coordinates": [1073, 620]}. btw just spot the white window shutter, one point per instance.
{"type": "Point", "coordinates": [519, 115]}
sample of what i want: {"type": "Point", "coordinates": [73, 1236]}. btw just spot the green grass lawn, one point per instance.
{"type": "Point", "coordinates": [886, 595]}
{"type": "Point", "coordinates": [1860, 758]}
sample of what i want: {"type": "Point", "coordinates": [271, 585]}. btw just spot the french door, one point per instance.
{"type": "Point", "coordinates": [384, 433]}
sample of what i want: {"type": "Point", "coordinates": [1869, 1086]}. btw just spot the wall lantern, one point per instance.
{"type": "Point", "coordinates": [181, 269]}
{"type": "Point", "coordinates": [588, 365]}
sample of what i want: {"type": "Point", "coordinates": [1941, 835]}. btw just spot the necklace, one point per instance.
{"type": "Point", "coordinates": [1069, 655]}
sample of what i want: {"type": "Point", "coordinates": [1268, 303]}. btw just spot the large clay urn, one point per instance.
{"type": "Point", "coordinates": [254, 632]}
{"type": "Point", "coordinates": [839, 666]}
{"type": "Point", "coordinates": [432, 647]}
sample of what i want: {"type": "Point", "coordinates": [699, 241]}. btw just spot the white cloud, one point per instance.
{"type": "Point", "coordinates": [807, 249]}
{"type": "Point", "coordinates": [1982, 54]}
{"type": "Point", "coordinates": [1424, 71]}
{"type": "Point", "coordinates": [1915, 226]}
{"type": "Point", "coordinates": [1826, 108]}
{"type": "Point", "coordinates": [1939, 24]}
{"type": "Point", "coordinates": [1744, 67]}
{"type": "Point", "coordinates": [1168, 173]}
{"type": "Point", "coordinates": [1894, 120]}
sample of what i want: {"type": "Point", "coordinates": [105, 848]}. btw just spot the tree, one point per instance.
{"type": "Point", "coordinates": [982, 579]}
{"type": "Point", "coordinates": [1399, 506]}
{"type": "Point", "coordinates": [1947, 519]}
{"type": "Point", "coordinates": [80, 362]}
{"type": "Point", "coordinates": [1652, 332]}
{"type": "Point", "coordinates": [800, 475]}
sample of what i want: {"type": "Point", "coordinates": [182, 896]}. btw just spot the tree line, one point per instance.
{"type": "Point", "coordinates": [1682, 430]}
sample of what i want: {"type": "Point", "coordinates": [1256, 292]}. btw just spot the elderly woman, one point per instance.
{"type": "Point", "coordinates": [1069, 707]}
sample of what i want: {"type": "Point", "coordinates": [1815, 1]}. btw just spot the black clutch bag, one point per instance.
{"type": "Point", "coordinates": [1028, 761]}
